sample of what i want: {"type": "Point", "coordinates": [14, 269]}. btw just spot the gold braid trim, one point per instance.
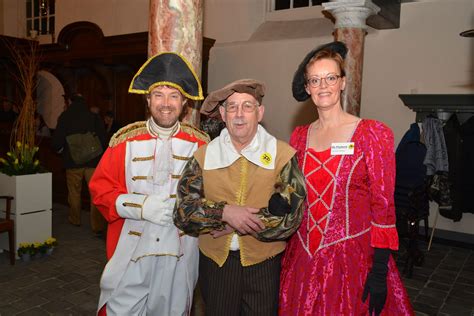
{"type": "Point", "coordinates": [241, 198]}
{"type": "Point", "coordinates": [195, 132]}
{"type": "Point", "coordinates": [135, 178]}
{"type": "Point", "coordinates": [128, 204]}
{"type": "Point", "coordinates": [143, 158]}
{"type": "Point", "coordinates": [127, 132]}
{"type": "Point", "coordinates": [157, 255]}
{"type": "Point", "coordinates": [183, 158]}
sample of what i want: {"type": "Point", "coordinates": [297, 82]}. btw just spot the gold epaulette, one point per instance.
{"type": "Point", "coordinates": [129, 131]}
{"type": "Point", "coordinates": [187, 128]}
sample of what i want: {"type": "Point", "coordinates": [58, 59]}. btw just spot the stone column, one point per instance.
{"type": "Point", "coordinates": [350, 28]}
{"type": "Point", "coordinates": [176, 26]}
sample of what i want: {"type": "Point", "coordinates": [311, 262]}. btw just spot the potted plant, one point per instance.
{"type": "Point", "coordinates": [20, 161]}
{"type": "Point", "coordinates": [50, 243]}
{"type": "Point", "coordinates": [40, 249]}
{"type": "Point", "coordinates": [26, 251]}
{"type": "Point", "coordinates": [21, 175]}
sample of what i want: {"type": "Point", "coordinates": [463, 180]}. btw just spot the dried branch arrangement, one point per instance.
{"type": "Point", "coordinates": [26, 60]}
{"type": "Point", "coordinates": [21, 157]}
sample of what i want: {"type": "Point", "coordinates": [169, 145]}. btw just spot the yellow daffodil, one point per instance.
{"type": "Point", "coordinates": [51, 240]}
{"type": "Point", "coordinates": [20, 160]}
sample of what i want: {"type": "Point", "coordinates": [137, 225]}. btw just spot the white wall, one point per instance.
{"type": "Point", "coordinates": [426, 55]}
{"type": "Point", "coordinates": [232, 20]}
{"type": "Point", "coordinates": [14, 23]}
{"type": "Point", "coordinates": [113, 16]}
{"type": "Point", "coordinates": [465, 225]}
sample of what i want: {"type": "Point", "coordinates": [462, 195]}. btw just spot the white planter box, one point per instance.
{"type": "Point", "coordinates": [31, 207]}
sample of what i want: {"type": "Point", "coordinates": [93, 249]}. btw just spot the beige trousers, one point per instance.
{"type": "Point", "coordinates": [74, 186]}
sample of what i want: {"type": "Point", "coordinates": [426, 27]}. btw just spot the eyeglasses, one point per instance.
{"type": "Point", "coordinates": [247, 106]}
{"type": "Point", "coordinates": [330, 80]}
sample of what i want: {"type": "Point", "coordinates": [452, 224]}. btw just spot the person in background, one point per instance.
{"type": "Point", "coordinates": [110, 125]}
{"type": "Point", "coordinates": [7, 114]}
{"type": "Point", "coordinates": [95, 110]}
{"type": "Point", "coordinates": [67, 101]}
{"type": "Point", "coordinates": [212, 126]}
{"type": "Point", "coordinates": [152, 267]}
{"type": "Point", "coordinates": [243, 195]}
{"type": "Point", "coordinates": [41, 127]}
{"type": "Point", "coordinates": [77, 119]}
{"type": "Point", "coordinates": [339, 262]}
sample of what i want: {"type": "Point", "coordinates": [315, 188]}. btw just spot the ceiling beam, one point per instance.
{"type": "Point", "coordinates": [388, 17]}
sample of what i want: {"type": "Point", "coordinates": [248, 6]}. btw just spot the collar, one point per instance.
{"type": "Point", "coordinates": [221, 153]}
{"type": "Point", "coordinates": [161, 132]}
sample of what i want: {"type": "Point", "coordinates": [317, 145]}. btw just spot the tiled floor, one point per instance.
{"type": "Point", "coordinates": [66, 283]}
{"type": "Point", "coordinates": [444, 284]}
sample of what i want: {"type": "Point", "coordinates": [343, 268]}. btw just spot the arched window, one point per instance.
{"type": "Point", "coordinates": [290, 4]}
{"type": "Point", "coordinates": [40, 17]}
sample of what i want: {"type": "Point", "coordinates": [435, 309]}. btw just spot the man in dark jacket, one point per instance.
{"type": "Point", "coordinates": [78, 120]}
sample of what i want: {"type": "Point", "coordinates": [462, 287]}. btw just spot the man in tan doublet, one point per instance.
{"type": "Point", "coordinates": [242, 194]}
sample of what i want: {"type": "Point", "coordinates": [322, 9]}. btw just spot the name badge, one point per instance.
{"type": "Point", "coordinates": [342, 149]}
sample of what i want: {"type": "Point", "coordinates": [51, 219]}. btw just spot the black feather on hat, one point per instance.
{"type": "Point", "coordinates": [299, 81]}
{"type": "Point", "coordinates": [167, 69]}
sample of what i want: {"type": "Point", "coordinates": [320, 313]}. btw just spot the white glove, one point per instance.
{"type": "Point", "coordinates": [158, 209]}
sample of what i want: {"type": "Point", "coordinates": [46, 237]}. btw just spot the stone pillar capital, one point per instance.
{"type": "Point", "coordinates": [351, 13]}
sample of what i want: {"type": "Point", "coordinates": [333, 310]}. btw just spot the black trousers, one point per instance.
{"type": "Point", "coordinates": [234, 290]}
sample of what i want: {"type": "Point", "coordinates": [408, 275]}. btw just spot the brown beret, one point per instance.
{"type": "Point", "coordinates": [214, 99]}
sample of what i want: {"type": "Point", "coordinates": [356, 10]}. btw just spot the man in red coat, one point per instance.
{"type": "Point", "coordinates": [152, 267]}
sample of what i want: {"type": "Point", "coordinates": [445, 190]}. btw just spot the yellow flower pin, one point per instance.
{"type": "Point", "coordinates": [266, 158]}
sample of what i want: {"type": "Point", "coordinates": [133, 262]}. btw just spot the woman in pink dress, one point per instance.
{"type": "Point", "coordinates": [339, 262]}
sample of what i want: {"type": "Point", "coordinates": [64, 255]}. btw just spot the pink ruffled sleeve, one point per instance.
{"type": "Point", "coordinates": [384, 237]}
{"type": "Point", "coordinates": [380, 160]}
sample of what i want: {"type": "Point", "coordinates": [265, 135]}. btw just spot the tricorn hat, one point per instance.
{"type": "Point", "coordinates": [251, 86]}
{"type": "Point", "coordinates": [167, 69]}
{"type": "Point", "coordinates": [299, 80]}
